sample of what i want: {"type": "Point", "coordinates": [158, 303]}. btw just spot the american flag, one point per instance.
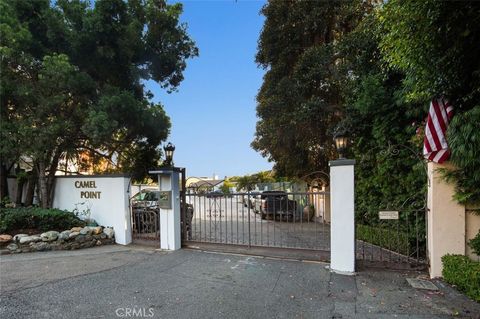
{"type": "Point", "coordinates": [435, 147]}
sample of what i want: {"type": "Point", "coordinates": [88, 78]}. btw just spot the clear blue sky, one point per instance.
{"type": "Point", "coordinates": [213, 113]}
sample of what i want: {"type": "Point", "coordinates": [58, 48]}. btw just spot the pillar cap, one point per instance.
{"type": "Point", "coordinates": [341, 162]}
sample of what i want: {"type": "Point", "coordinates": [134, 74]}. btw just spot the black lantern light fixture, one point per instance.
{"type": "Point", "coordinates": [341, 143]}
{"type": "Point", "coordinates": [169, 149]}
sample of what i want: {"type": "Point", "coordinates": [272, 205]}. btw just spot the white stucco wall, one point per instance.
{"type": "Point", "coordinates": [445, 220]}
{"type": "Point", "coordinates": [107, 196]}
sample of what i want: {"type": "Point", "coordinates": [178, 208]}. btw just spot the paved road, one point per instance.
{"type": "Point", "coordinates": [113, 281]}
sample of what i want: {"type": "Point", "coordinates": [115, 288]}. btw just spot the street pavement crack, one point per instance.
{"type": "Point", "coordinates": [276, 282]}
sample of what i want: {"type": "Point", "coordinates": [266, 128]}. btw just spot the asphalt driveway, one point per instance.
{"type": "Point", "coordinates": [128, 282]}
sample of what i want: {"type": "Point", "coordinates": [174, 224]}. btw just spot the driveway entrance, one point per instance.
{"type": "Point", "coordinates": [280, 220]}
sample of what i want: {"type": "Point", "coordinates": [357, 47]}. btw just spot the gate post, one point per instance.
{"type": "Point", "coordinates": [445, 220]}
{"type": "Point", "coordinates": [169, 204]}
{"type": "Point", "coordinates": [342, 226]}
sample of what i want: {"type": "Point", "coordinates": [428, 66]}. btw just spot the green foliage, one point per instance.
{"type": "Point", "coordinates": [249, 182]}
{"type": "Point", "coordinates": [5, 201]}
{"type": "Point", "coordinates": [37, 218]}
{"type": "Point", "coordinates": [464, 273]}
{"type": "Point", "coordinates": [388, 238]}
{"type": "Point", "coordinates": [435, 43]}
{"type": "Point", "coordinates": [389, 173]}
{"type": "Point", "coordinates": [373, 70]}
{"type": "Point", "coordinates": [72, 81]}
{"type": "Point", "coordinates": [300, 100]}
{"type": "Point", "coordinates": [475, 244]}
{"type": "Point", "coordinates": [464, 139]}
{"type": "Point", "coordinates": [227, 184]}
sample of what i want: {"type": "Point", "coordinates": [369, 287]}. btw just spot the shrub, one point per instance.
{"type": "Point", "coordinates": [475, 244]}
{"type": "Point", "coordinates": [37, 218]}
{"type": "Point", "coordinates": [464, 273]}
{"type": "Point", "coordinates": [384, 237]}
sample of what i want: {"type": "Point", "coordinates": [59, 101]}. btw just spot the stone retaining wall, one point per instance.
{"type": "Point", "coordinates": [74, 238]}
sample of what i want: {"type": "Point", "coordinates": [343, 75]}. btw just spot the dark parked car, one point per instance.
{"type": "Point", "coordinates": [215, 194]}
{"type": "Point", "coordinates": [276, 205]}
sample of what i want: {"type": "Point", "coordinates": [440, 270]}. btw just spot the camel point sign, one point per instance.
{"type": "Point", "coordinates": [88, 194]}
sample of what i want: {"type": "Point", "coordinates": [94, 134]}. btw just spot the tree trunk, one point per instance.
{"type": "Point", "coordinates": [3, 182]}
{"type": "Point", "coordinates": [42, 179]}
{"type": "Point", "coordinates": [19, 194]}
{"type": "Point", "coordinates": [51, 177]}
{"type": "Point", "coordinates": [32, 182]}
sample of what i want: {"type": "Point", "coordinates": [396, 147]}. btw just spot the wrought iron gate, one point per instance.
{"type": "Point", "coordinates": [394, 237]}
{"type": "Point", "coordinates": [268, 219]}
{"type": "Point", "coordinates": [145, 222]}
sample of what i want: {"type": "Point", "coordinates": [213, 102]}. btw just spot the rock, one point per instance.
{"type": "Point", "coordinates": [56, 246]}
{"type": "Point", "coordinates": [87, 244]}
{"type": "Point", "coordinates": [12, 247]}
{"type": "Point", "coordinates": [50, 235]}
{"type": "Point", "coordinates": [103, 236]}
{"type": "Point", "coordinates": [97, 230]}
{"type": "Point", "coordinates": [80, 238]}
{"type": "Point", "coordinates": [76, 229]}
{"type": "Point", "coordinates": [26, 249]}
{"type": "Point", "coordinates": [30, 239]}
{"type": "Point", "coordinates": [86, 231]}
{"type": "Point", "coordinates": [73, 234]}
{"type": "Point", "coordinates": [64, 235]}
{"type": "Point", "coordinates": [99, 243]}
{"type": "Point", "coordinates": [4, 238]}
{"type": "Point", "coordinates": [109, 232]}
{"type": "Point", "coordinates": [41, 246]}
{"type": "Point", "coordinates": [18, 236]}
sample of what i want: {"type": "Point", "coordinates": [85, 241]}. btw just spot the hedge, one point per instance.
{"type": "Point", "coordinates": [464, 273]}
{"type": "Point", "coordinates": [475, 244]}
{"type": "Point", "coordinates": [37, 218]}
{"type": "Point", "coordinates": [384, 237]}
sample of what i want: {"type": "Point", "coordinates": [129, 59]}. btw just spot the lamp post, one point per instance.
{"type": "Point", "coordinates": [169, 149]}
{"type": "Point", "coordinates": [341, 143]}
{"type": "Point", "coordinates": [342, 207]}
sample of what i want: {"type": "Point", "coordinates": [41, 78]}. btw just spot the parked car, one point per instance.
{"type": "Point", "coordinates": [215, 194]}
{"type": "Point", "coordinates": [249, 199]}
{"type": "Point", "coordinates": [146, 198]}
{"type": "Point", "coordinates": [276, 205]}
{"type": "Point", "coordinates": [145, 203]}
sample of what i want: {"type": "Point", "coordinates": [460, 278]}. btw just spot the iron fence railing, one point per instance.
{"type": "Point", "coordinates": [145, 222]}
{"type": "Point", "coordinates": [401, 240]}
{"type": "Point", "coordinates": [273, 219]}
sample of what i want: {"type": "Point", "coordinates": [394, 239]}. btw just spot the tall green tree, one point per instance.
{"type": "Point", "coordinates": [300, 101]}
{"type": "Point", "coordinates": [73, 78]}
{"type": "Point", "coordinates": [340, 82]}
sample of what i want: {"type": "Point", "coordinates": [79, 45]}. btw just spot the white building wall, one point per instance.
{"type": "Point", "coordinates": [106, 196]}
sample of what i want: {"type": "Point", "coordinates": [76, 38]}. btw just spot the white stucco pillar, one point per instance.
{"type": "Point", "coordinates": [170, 231]}
{"type": "Point", "coordinates": [445, 220]}
{"type": "Point", "coordinates": [342, 225]}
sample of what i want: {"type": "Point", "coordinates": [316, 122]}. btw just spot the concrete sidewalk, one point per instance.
{"type": "Point", "coordinates": [114, 281]}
